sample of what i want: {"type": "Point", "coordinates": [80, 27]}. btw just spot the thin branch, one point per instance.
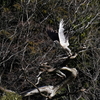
{"type": "Point", "coordinates": [68, 93]}
{"type": "Point", "coordinates": [34, 86]}
{"type": "Point", "coordinates": [6, 90]}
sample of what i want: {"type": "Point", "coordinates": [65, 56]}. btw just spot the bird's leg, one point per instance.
{"type": "Point", "coordinates": [69, 51]}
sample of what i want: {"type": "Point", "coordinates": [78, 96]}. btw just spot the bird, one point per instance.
{"type": "Point", "coordinates": [59, 36]}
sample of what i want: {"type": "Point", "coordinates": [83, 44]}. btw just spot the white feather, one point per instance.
{"type": "Point", "coordinates": [61, 32]}
{"type": "Point", "coordinates": [63, 41]}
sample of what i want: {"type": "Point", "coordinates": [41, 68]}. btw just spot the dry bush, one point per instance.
{"type": "Point", "coordinates": [24, 43]}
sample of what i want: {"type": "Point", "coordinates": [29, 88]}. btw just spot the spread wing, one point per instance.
{"type": "Point", "coordinates": [52, 34]}
{"type": "Point", "coordinates": [61, 35]}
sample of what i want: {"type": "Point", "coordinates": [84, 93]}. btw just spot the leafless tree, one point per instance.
{"type": "Point", "coordinates": [25, 46]}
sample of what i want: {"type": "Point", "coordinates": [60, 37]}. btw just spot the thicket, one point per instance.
{"type": "Point", "coordinates": [24, 44]}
